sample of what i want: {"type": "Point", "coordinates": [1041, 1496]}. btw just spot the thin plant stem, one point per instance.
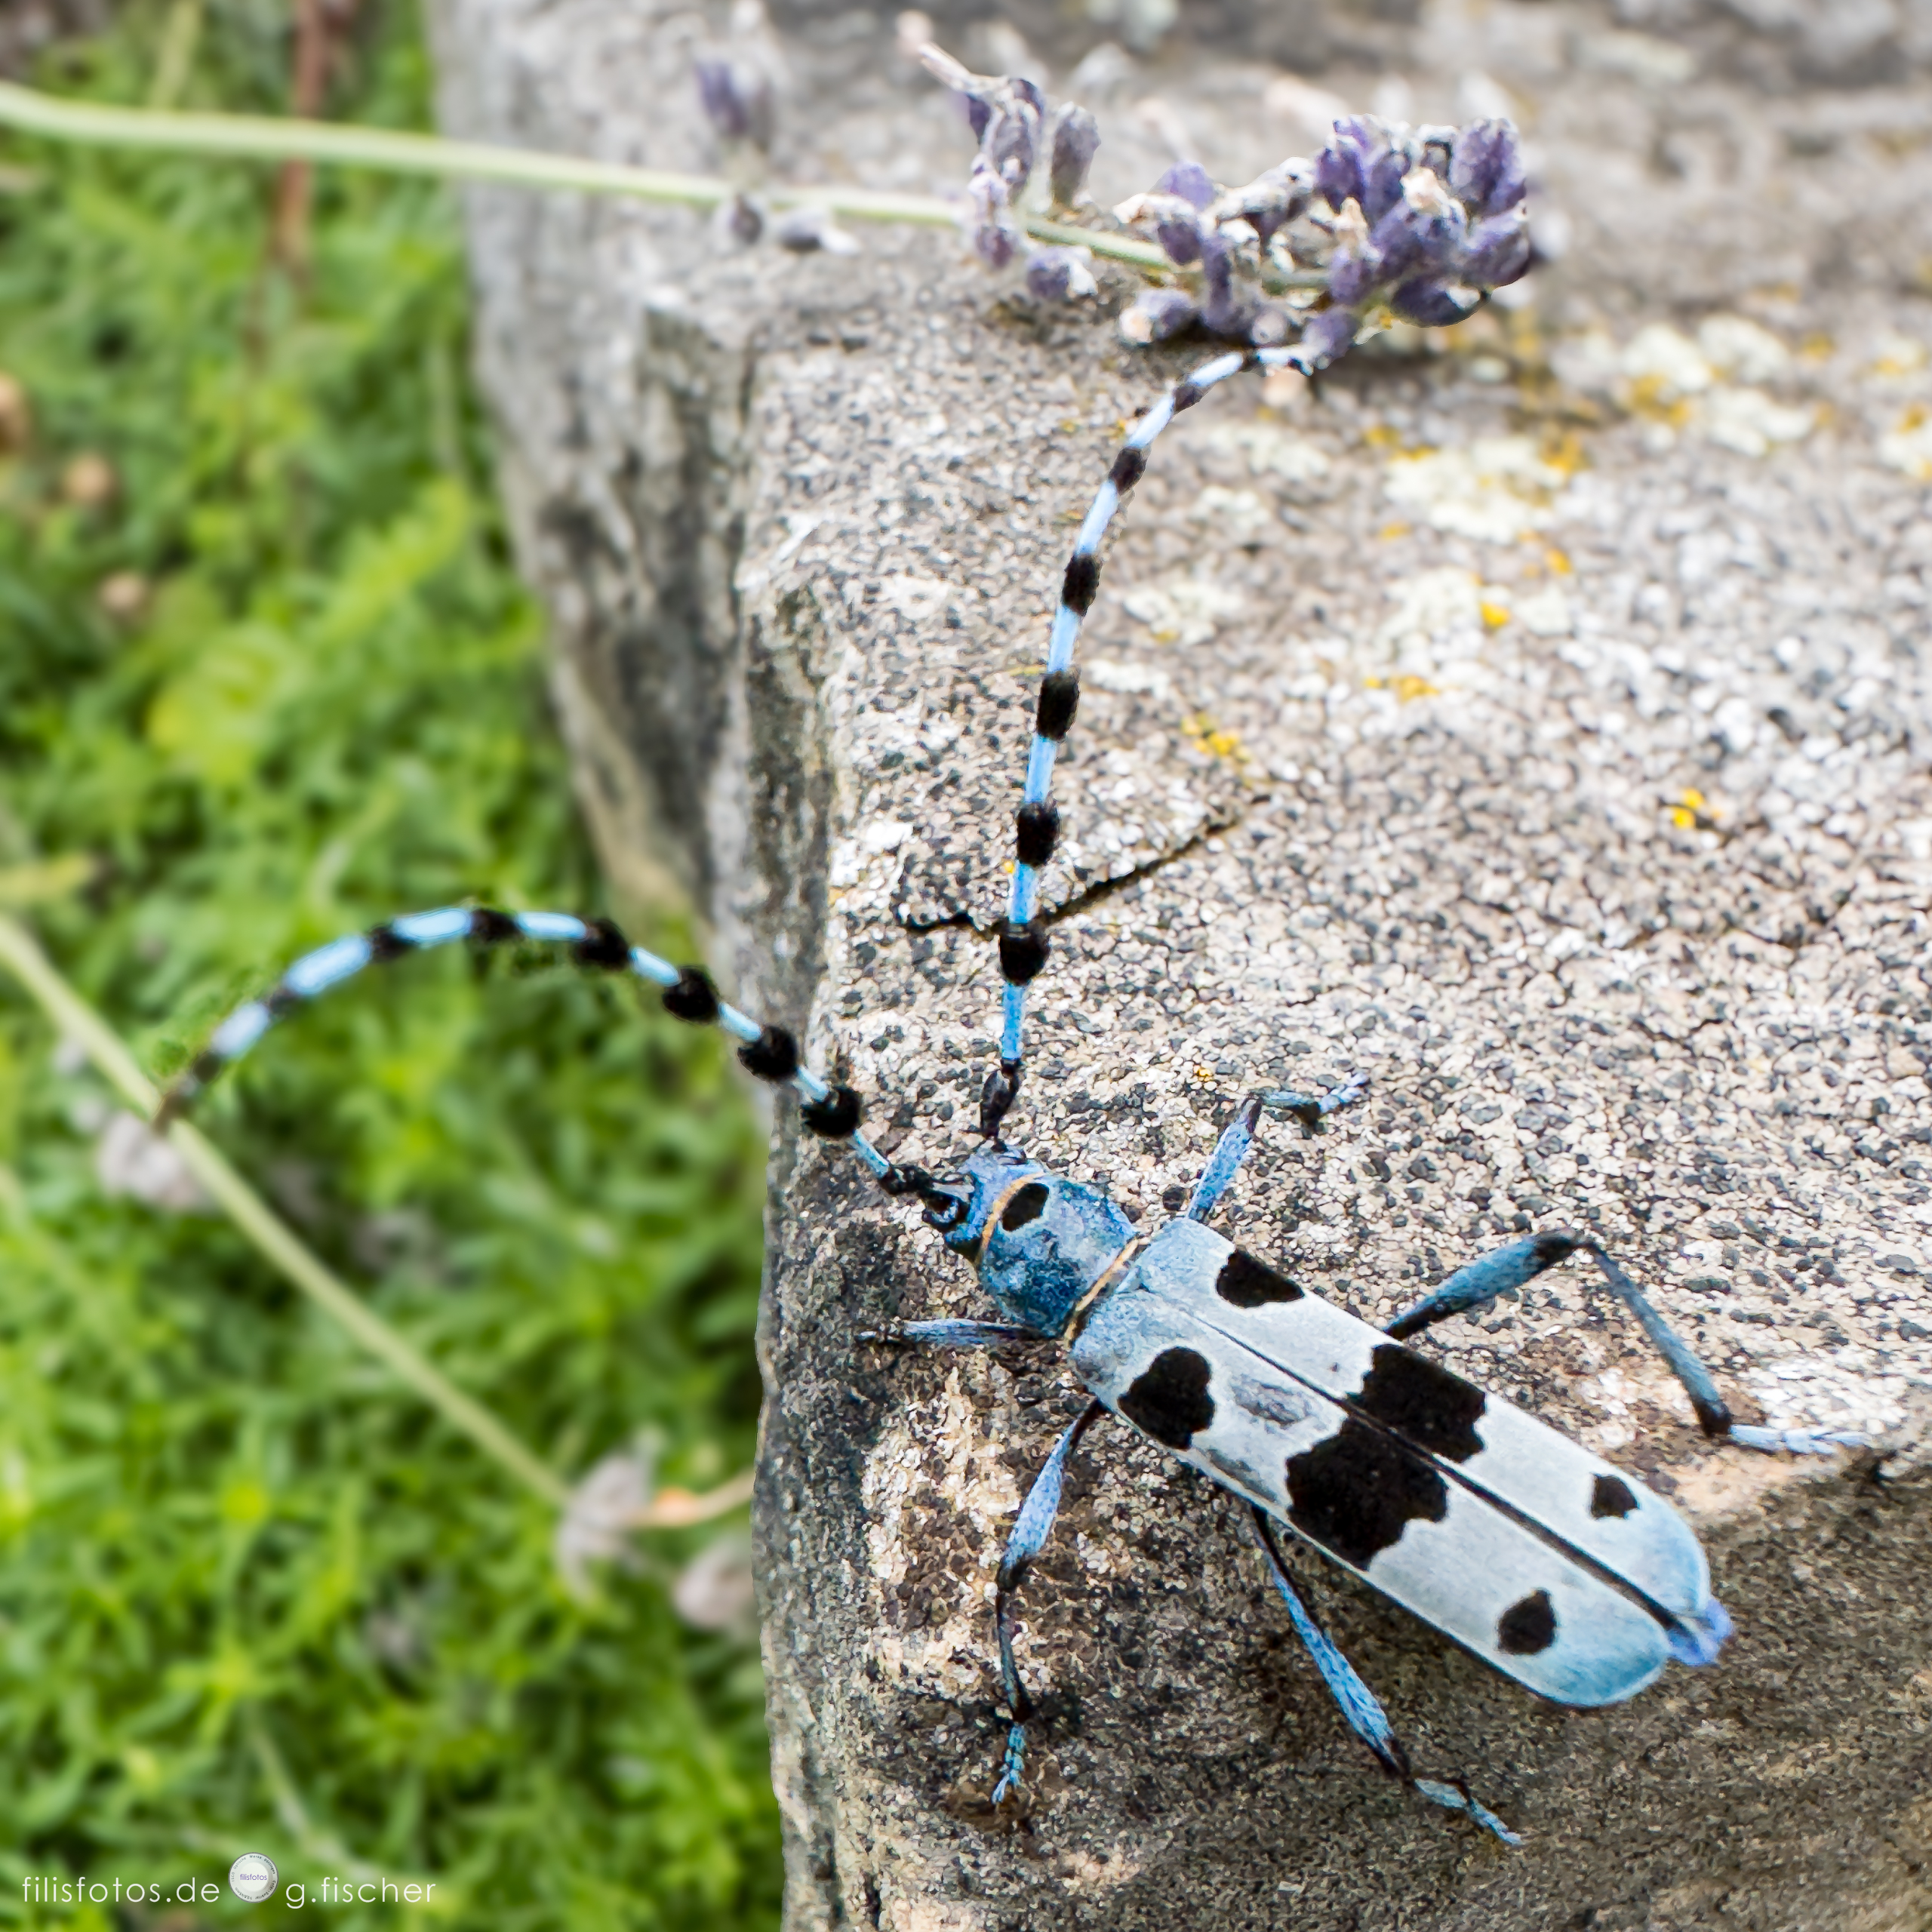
{"type": "Point", "coordinates": [273, 1237]}
{"type": "Point", "coordinates": [263, 137]}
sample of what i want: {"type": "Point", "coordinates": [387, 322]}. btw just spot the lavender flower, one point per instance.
{"type": "Point", "coordinates": [740, 221]}
{"type": "Point", "coordinates": [1364, 161]}
{"type": "Point", "coordinates": [1227, 311]}
{"type": "Point", "coordinates": [1339, 177]}
{"type": "Point", "coordinates": [996, 237]}
{"type": "Point", "coordinates": [1190, 181]}
{"type": "Point", "coordinates": [1440, 242]}
{"type": "Point", "coordinates": [1011, 141]}
{"type": "Point", "coordinates": [1060, 275]}
{"type": "Point", "coordinates": [1497, 252]}
{"type": "Point", "coordinates": [1007, 114]}
{"type": "Point", "coordinates": [1435, 145]}
{"type": "Point", "coordinates": [1354, 267]}
{"type": "Point", "coordinates": [1424, 223]}
{"type": "Point", "coordinates": [1432, 304]}
{"type": "Point", "coordinates": [1156, 314]}
{"type": "Point", "coordinates": [1425, 228]}
{"type": "Point", "coordinates": [1072, 139]}
{"type": "Point", "coordinates": [1486, 170]}
{"type": "Point", "coordinates": [1178, 226]}
{"type": "Point", "coordinates": [1273, 199]}
{"type": "Point", "coordinates": [1326, 339]}
{"type": "Point", "coordinates": [737, 101]}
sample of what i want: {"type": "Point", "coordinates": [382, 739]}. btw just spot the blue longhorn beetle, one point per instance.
{"type": "Point", "coordinates": [1538, 1556]}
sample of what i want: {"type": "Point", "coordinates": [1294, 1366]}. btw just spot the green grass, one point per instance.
{"type": "Point", "coordinates": [252, 1595]}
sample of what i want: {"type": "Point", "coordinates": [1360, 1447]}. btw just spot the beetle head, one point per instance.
{"type": "Point", "coordinates": [1039, 1242]}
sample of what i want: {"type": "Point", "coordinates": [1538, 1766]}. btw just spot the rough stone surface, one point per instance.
{"type": "Point", "coordinates": [1540, 725]}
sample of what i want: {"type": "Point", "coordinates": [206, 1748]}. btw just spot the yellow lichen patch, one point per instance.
{"type": "Point", "coordinates": [1562, 449]}
{"type": "Point", "coordinates": [1909, 447]}
{"type": "Point", "coordinates": [1389, 531]}
{"type": "Point", "coordinates": [1816, 346]}
{"type": "Point", "coordinates": [1406, 685]}
{"type": "Point", "coordinates": [1201, 728]}
{"type": "Point", "coordinates": [1494, 489]}
{"type": "Point", "coordinates": [1652, 396]}
{"type": "Point", "coordinates": [1690, 810]}
{"type": "Point", "coordinates": [1557, 562]}
{"type": "Point", "coordinates": [1493, 614]}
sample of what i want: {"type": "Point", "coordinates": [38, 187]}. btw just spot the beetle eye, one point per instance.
{"type": "Point", "coordinates": [946, 1208]}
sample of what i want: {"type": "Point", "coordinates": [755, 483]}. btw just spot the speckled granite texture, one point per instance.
{"type": "Point", "coordinates": [1540, 725]}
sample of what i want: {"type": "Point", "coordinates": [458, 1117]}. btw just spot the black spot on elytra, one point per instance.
{"type": "Point", "coordinates": [1426, 1404]}
{"type": "Point", "coordinates": [1169, 1398]}
{"type": "Point", "coordinates": [1356, 1493]}
{"type": "Point", "coordinates": [1611, 1498]}
{"type": "Point", "coordinates": [1248, 1283]}
{"type": "Point", "coordinates": [1527, 1627]}
{"type": "Point", "coordinates": [1028, 1204]}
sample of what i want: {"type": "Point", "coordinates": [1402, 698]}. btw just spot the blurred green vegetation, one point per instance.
{"type": "Point", "coordinates": [266, 675]}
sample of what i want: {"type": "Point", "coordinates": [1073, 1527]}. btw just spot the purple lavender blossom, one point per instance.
{"type": "Point", "coordinates": [1178, 226]}
{"type": "Point", "coordinates": [1385, 176]}
{"type": "Point", "coordinates": [1326, 339]}
{"type": "Point", "coordinates": [994, 236]}
{"type": "Point", "coordinates": [1273, 199]}
{"type": "Point", "coordinates": [1497, 252]}
{"type": "Point", "coordinates": [737, 101]}
{"type": "Point", "coordinates": [1156, 314]}
{"type": "Point", "coordinates": [1060, 275]}
{"type": "Point", "coordinates": [1007, 114]}
{"type": "Point", "coordinates": [1339, 173]}
{"type": "Point", "coordinates": [1355, 268]}
{"type": "Point", "coordinates": [1435, 145]}
{"type": "Point", "coordinates": [1426, 222]}
{"type": "Point", "coordinates": [1190, 181]}
{"type": "Point", "coordinates": [1012, 140]}
{"type": "Point", "coordinates": [1486, 171]}
{"type": "Point", "coordinates": [1433, 303]}
{"type": "Point", "coordinates": [1364, 161]}
{"type": "Point", "coordinates": [740, 221]}
{"type": "Point", "coordinates": [1353, 275]}
{"type": "Point", "coordinates": [1072, 139]}
{"type": "Point", "coordinates": [1227, 312]}
{"type": "Point", "coordinates": [1424, 229]}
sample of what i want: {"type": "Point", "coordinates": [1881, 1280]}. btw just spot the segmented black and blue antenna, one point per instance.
{"type": "Point", "coordinates": [1023, 944]}
{"type": "Point", "coordinates": [830, 1110]}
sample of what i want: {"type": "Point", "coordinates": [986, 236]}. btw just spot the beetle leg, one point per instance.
{"type": "Point", "coordinates": [1358, 1704]}
{"type": "Point", "coordinates": [1029, 1534]}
